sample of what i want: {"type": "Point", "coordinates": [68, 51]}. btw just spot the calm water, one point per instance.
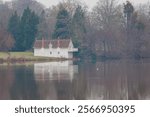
{"type": "Point", "coordinates": [125, 79]}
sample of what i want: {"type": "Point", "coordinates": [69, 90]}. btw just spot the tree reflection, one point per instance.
{"type": "Point", "coordinates": [115, 80]}
{"type": "Point", "coordinates": [6, 80]}
{"type": "Point", "coordinates": [63, 89]}
{"type": "Point", "coordinates": [24, 86]}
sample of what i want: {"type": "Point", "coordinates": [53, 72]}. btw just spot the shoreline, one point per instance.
{"type": "Point", "coordinates": [23, 57]}
{"type": "Point", "coordinates": [23, 60]}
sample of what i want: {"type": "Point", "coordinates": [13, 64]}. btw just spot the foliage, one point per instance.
{"type": "Point", "coordinates": [21, 5]}
{"type": "Point", "coordinates": [28, 29]}
{"type": "Point", "coordinates": [62, 27]}
{"type": "Point", "coordinates": [107, 24]}
{"type": "Point", "coordinates": [5, 14]}
{"type": "Point", "coordinates": [42, 27]}
{"type": "Point", "coordinates": [78, 27]}
{"type": "Point", "coordinates": [110, 29]}
{"type": "Point", "coordinates": [135, 30]}
{"type": "Point", "coordinates": [6, 40]}
{"type": "Point", "coordinates": [13, 28]}
{"type": "Point", "coordinates": [23, 30]}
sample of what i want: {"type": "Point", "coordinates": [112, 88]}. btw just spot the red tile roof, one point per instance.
{"type": "Point", "coordinates": [61, 43]}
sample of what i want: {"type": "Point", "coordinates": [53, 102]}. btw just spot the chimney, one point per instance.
{"type": "Point", "coordinates": [42, 42]}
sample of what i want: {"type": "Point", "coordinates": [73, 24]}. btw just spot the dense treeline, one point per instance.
{"type": "Point", "coordinates": [109, 30]}
{"type": "Point", "coordinates": [23, 29]}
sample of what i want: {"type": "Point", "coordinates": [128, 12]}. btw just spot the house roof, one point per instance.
{"type": "Point", "coordinates": [61, 43]}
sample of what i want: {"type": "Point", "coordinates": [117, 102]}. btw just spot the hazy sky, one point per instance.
{"type": "Point", "coordinates": [90, 3]}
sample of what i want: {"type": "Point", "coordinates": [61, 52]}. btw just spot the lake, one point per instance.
{"type": "Point", "coordinates": [108, 80]}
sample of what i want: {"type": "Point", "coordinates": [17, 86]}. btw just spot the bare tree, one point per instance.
{"type": "Point", "coordinates": [106, 14]}
{"type": "Point", "coordinates": [20, 5]}
{"type": "Point", "coordinates": [6, 40]}
{"type": "Point", "coordinates": [5, 14]}
{"type": "Point", "coordinates": [107, 18]}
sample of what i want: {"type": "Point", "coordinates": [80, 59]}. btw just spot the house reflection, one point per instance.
{"type": "Point", "coordinates": [54, 79]}
{"type": "Point", "coordinates": [63, 70]}
{"type": "Point", "coordinates": [102, 81]}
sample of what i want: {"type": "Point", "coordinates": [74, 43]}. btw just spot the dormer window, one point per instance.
{"type": "Point", "coordinates": [70, 45]}
{"type": "Point", "coordinates": [50, 45]}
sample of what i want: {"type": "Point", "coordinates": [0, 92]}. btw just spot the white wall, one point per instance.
{"type": "Point", "coordinates": [58, 53]}
{"type": "Point", "coordinates": [70, 55]}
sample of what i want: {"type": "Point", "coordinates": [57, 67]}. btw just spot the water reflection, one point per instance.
{"type": "Point", "coordinates": [118, 80]}
{"type": "Point", "coordinates": [55, 79]}
{"type": "Point", "coordinates": [55, 70]}
{"type": "Point", "coordinates": [24, 85]}
{"type": "Point", "coordinates": [6, 80]}
{"type": "Point", "coordinates": [125, 79]}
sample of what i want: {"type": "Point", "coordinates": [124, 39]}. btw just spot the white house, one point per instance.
{"type": "Point", "coordinates": [60, 48]}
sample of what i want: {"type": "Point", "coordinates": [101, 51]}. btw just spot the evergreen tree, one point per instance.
{"type": "Point", "coordinates": [43, 26]}
{"type": "Point", "coordinates": [62, 27]}
{"type": "Point", "coordinates": [28, 29]}
{"type": "Point", "coordinates": [135, 31]}
{"type": "Point", "coordinates": [78, 26]}
{"type": "Point", "coordinates": [23, 30]}
{"type": "Point", "coordinates": [13, 28]}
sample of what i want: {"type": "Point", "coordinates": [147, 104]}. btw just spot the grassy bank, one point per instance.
{"type": "Point", "coordinates": [23, 57]}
